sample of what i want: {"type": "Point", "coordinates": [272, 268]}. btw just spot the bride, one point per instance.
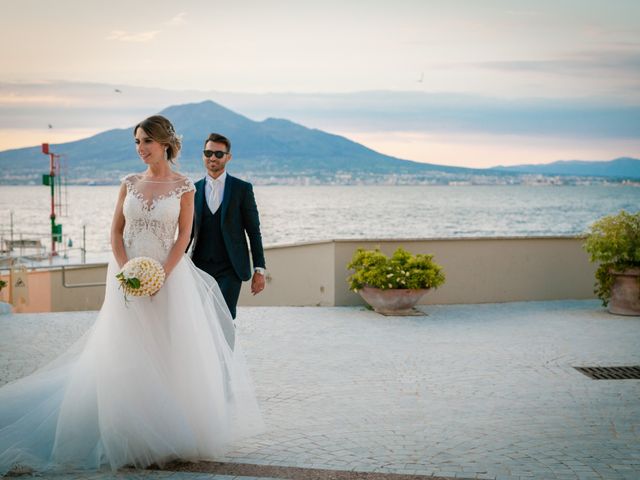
{"type": "Point", "coordinates": [156, 378]}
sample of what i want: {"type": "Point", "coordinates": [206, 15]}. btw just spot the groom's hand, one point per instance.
{"type": "Point", "coordinates": [257, 283]}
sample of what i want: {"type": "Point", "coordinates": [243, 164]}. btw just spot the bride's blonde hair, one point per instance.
{"type": "Point", "coordinates": [161, 130]}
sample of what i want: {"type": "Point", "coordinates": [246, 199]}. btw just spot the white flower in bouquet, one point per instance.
{"type": "Point", "coordinates": [141, 277]}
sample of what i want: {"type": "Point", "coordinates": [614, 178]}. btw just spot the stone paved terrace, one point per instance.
{"type": "Point", "coordinates": [470, 391]}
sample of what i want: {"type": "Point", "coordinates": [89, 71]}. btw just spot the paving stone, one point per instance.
{"type": "Point", "coordinates": [468, 389]}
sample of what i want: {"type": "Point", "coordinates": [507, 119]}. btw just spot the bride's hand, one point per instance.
{"type": "Point", "coordinates": [166, 274]}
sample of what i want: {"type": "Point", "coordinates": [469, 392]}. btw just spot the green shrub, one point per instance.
{"type": "Point", "coordinates": [403, 270]}
{"type": "Point", "coordinates": [614, 241]}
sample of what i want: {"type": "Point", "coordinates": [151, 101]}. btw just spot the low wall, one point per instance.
{"type": "Point", "coordinates": [487, 270]}
{"type": "Point", "coordinates": [46, 291]}
{"type": "Point", "coordinates": [38, 293]}
{"type": "Point", "coordinates": [75, 297]}
{"type": "Point", "coordinates": [478, 270]}
{"type": "Point", "coordinates": [297, 275]}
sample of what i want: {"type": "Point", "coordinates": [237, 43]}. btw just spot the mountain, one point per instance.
{"type": "Point", "coordinates": [273, 148]}
{"type": "Point", "coordinates": [623, 167]}
{"type": "Point", "coordinates": [275, 151]}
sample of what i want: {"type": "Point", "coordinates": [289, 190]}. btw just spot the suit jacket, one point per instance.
{"type": "Point", "coordinates": [239, 218]}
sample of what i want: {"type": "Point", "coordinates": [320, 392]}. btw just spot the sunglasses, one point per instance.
{"type": "Point", "coordinates": [217, 153]}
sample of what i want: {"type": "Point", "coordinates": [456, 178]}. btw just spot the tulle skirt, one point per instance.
{"type": "Point", "coordinates": [154, 379]}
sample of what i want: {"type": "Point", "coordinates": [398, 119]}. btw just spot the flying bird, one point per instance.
{"type": "Point", "coordinates": [50, 126]}
{"type": "Point", "coordinates": [117, 91]}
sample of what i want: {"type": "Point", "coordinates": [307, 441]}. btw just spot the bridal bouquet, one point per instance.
{"type": "Point", "coordinates": [141, 277]}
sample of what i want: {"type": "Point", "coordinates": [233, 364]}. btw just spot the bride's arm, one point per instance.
{"type": "Point", "coordinates": [117, 229]}
{"type": "Point", "coordinates": [185, 222]}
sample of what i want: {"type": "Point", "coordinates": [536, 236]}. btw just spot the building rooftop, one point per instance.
{"type": "Point", "coordinates": [468, 391]}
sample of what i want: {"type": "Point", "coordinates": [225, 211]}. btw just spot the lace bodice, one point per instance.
{"type": "Point", "coordinates": [151, 210]}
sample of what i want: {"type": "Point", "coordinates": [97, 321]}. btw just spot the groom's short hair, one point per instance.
{"type": "Point", "coordinates": [217, 138]}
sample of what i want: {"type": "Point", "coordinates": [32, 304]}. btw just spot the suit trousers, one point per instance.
{"type": "Point", "coordinates": [228, 281]}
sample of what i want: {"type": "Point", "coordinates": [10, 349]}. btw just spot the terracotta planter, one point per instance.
{"type": "Point", "coordinates": [625, 293]}
{"type": "Point", "coordinates": [393, 301]}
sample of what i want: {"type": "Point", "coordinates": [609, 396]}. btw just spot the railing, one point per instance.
{"type": "Point", "coordinates": [73, 256]}
{"type": "Point", "coordinates": [34, 242]}
{"type": "Point", "coordinates": [80, 285]}
{"type": "Point", "coordinates": [478, 270]}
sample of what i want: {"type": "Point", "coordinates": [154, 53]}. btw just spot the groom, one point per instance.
{"type": "Point", "coordinates": [225, 210]}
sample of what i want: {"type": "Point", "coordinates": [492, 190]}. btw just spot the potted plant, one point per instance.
{"type": "Point", "coordinates": [614, 241]}
{"type": "Point", "coordinates": [393, 285]}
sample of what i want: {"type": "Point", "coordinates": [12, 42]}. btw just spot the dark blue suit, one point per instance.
{"type": "Point", "coordinates": [220, 238]}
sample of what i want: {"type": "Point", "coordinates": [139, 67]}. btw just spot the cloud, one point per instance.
{"type": "Point", "coordinates": [142, 37]}
{"type": "Point", "coordinates": [445, 112]}
{"type": "Point", "coordinates": [178, 20]}
{"type": "Point", "coordinates": [577, 64]}
{"type": "Point", "coordinates": [12, 99]}
{"type": "Point", "coordinates": [25, 105]}
{"type": "Point", "coordinates": [122, 36]}
{"type": "Point", "coordinates": [523, 13]}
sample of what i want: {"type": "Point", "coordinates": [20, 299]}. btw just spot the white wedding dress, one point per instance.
{"type": "Point", "coordinates": [155, 379]}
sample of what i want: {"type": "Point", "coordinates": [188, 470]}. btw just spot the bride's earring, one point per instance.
{"type": "Point", "coordinates": [166, 154]}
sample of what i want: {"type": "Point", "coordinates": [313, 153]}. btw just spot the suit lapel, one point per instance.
{"type": "Point", "coordinates": [199, 202]}
{"type": "Point", "coordinates": [228, 185]}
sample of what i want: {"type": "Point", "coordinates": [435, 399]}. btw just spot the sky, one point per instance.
{"type": "Point", "coordinates": [469, 83]}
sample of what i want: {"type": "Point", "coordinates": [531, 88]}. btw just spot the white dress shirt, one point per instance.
{"type": "Point", "coordinates": [214, 191]}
